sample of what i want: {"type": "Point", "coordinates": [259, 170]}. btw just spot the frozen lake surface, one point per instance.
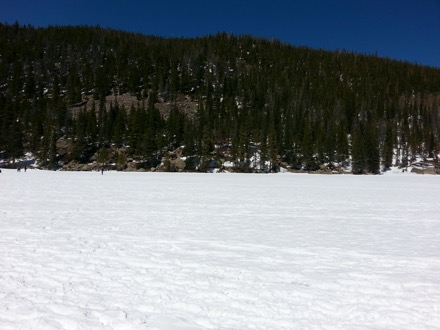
{"type": "Point", "coordinates": [218, 251]}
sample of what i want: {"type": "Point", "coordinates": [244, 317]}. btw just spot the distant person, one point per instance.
{"type": "Point", "coordinates": [18, 169]}
{"type": "Point", "coordinates": [25, 168]}
{"type": "Point", "coordinates": [102, 170]}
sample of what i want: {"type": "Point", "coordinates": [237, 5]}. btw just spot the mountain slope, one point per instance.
{"type": "Point", "coordinates": [254, 103]}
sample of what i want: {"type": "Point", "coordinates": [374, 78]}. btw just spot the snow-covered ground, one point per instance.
{"type": "Point", "coordinates": [218, 251]}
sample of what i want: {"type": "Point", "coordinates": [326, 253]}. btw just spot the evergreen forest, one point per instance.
{"type": "Point", "coordinates": [74, 95]}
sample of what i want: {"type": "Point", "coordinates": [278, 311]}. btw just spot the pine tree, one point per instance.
{"type": "Point", "coordinates": [372, 150]}
{"type": "Point", "coordinates": [387, 149]}
{"type": "Point", "coordinates": [358, 156]}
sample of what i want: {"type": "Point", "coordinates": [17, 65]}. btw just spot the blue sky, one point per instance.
{"type": "Point", "coordinates": [402, 29]}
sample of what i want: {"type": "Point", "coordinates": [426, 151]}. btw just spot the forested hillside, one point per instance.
{"type": "Point", "coordinates": [73, 95]}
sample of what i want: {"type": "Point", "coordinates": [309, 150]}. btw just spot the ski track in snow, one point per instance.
{"type": "Point", "coordinates": [218, 251]}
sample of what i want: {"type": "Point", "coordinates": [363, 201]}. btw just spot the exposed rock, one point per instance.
{"type": "Point", "coordinates": [183, 103]}
{"type": "Point", "coordinates": [178, 153]}
{"type": "Point", "coordinates": [429, 171]}
{"type": "Point", "coordinates": [171, 165]}
{"type": "Point", "coordinates": [71, 166]}
{"type": "Point", "coordinates": [64, 146]}
{"type": "Point", "coordinates": [131, 167]}
{"type": "Point", "coordinates": [75, 166]}
{"type": "Point", "coordinates": [432, 171]}
{"type": "Point", "coordinates": [164, 166]}
{"type": "Point", "coordinates": [179, 164]}
{"type": "Point", "coordinates": [417, 170]}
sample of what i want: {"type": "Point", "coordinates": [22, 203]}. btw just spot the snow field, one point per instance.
{"type": "Point", "coordinates": [218, 251]}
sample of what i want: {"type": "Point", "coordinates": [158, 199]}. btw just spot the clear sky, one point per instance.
{"type": "Point", "coordinates": [401, 29]}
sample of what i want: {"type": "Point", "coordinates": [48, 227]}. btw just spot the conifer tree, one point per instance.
{"type": "Point", "coordinates": [387, 149]}
{"type": "Point", "coordinates": [371, 146]}
{"type": "Point", "coordinates": [358, 152]}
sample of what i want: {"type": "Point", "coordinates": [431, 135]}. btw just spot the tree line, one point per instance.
{"type": "Point", "coordinates": [255, 100]}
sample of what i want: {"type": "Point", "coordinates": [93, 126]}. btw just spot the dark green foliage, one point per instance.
{"type": "Point", "coordinates": [254, 98]}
